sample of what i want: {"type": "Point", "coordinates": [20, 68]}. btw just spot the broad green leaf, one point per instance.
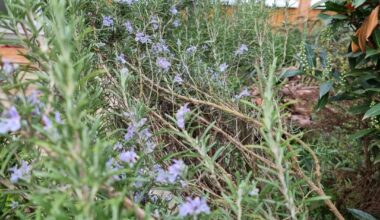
{"type": "Point", "coordinates": [357, 3]}
{"type": "Point", "coordinates": [373, 111]}
{"type": "Point", "coordinates": [291, 73]}
{"type": "Point", "coordinates": [376, 37]}
{"type": "Point", "coordinates": [324, 88]}
{"type": "Point", "coordinates": [371, 52]}
{"type": "Point", "coordinates": [358, 214]}
{"type": "Point", "coordinates": [361, 133]}
{"type": "Point", "coordinates": [322, 102]}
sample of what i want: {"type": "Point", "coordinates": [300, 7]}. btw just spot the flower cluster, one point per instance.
{"type": "Point", "coordinates": [8, 67]}
{"type": "Point", "coordinates": [172, 174]}
{"type": "Point", "coordinates": [11, 121]}
{"type": "Point", "coordinates": [143, 135]}
{"type": "Point", "coordinates": [242, 49]}
{"type": "Point", "coordinates": [194, 207]}
{"type": "Point", "coordinates": [142, 38]}
{"type": "Point", "coordinates": [160, 47]}
{"type": "Point", "coordinates": [223, 67]}
{"type": "Point", "coordinates": [121, 58]}
{"type": "Point", "coordinates": [114, 166]}
{"type": "Point", "coordinates": [180, 115]}
{"type": "Point", "coordinates": [22, 172]}
{"type": "Point", "coordinates": [163, 64]}
{"type": "Point", "coordinates": [107, 21]}
{"type": "Point", "coordinates": [128, 26]}
{"type": "Point", "coordinates": [129, 157]}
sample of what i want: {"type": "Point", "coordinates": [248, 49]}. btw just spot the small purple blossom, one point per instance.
{"type": "Point", "coordinates": [176, 23]}
{"type": "Point", "coordinates": [118, 146]}
{"type": "Point", "coordinates": [163, 63]}
{"type": "Point", "coordinates": [113, 166]}
{"type": "Point", "coordinates": [47, 122]}
{"type": "Point", "coordinates": [121, 58]}
{"type": "Point", "coordinates": [243, 93]}
{"type": "Point", "coordinates": [14, 205]}
{"type": "Point", "coordinates": [33, 100]}
{"type": "Point", "coordinates": [11, 121]}
{"type": "Point", "coordinates": [180, 115]}
{"type": "Point", "coordinates": [171, 175]}
{"type": "Point", "coordinates": [129, 2]}
{"type": "Point", "coordinates": [129, 157]}
{"type": "Point", "coordinates": [254, 192]}
{"type": "Point", "coordinates": [178, 79]}
{"type": "Point", "coordinates": [194, 207]}
{"type": "Point", "coordinates": [175, 170]}
{"type": "Point", "coordinates": [173, 10]}
{"type": "Point", "coordinates": [154, 22]}
{"type": "Point", "coordinates": [150, 146]}
{"type": "Point", "coordinates": [142, 38]}
{"type": "Point", "coordinates": [191, 50]}
{"type": "Point", "coordinates": [145, 134]}
{"type": "Point", "coordinates": [160, 47]}
{"type": "Point", "coordinates": [242, 49]}
{"type": "Point", "coordinates": [130, 132]}
{"type": "Point", "coordinates": [23, 172]}
{"type": "Point", "coordinates": [128, 26]}
{"type": "Point", "coordinates": [107, 21]}
{"type": "Point", "coordinates": [223, 67]}
{"type": "Point", "coordinates": [8, 67]}
{"type": "Point", "coordinates": [57, 117]}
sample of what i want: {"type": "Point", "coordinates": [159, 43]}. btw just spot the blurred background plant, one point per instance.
{"type": "Point", "coordinates": [154, 110]}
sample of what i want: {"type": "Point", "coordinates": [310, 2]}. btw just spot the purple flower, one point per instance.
{"type": "Point", "coordinates": [35, 101]}
{"type": "Point", "coordinates": [121, 58]}
{"type": "Point", "coordinates": [14, 205]}
{"type": "Point", "coordinates": [180, 115]}
{"type": "Point", "coordinates": [243, 93]}
{"type": "Point", "coordinates": [11, 121]}
{"type": "Point", "coordinates": [160, 47]}
{"type": "Point", "coordinates": [57, 116]}
{"type": "Point", "coordinates": [162, 176]}
{"type": "Point", "coordinates": [175, 170]}
{"type": "Point", "coordinates": [107, 21]}
{"type": "Point", "coordinates": [176, 23]}
{"type": "Point", "coordinates": [145, 134]}
{"type": "Point", "coordinates": [150, 146]}
{"type": "Point", "coordinates": [47, 122]}
{"type": "Point", "coordinates": [130, 132]}
{"type": "Point", "coordinates": [8, 67]}
{"type": "Point", "coordinates": [154, 22]}
{"type": "Point", "coordinates": [193, 207]}
{"type": "Point", "coordinates": [173, 10]}
{"type": "Point", "coordinates": [242, 49]}
{"type": "Point", "coordinates": [20, 173]}
{"type": "Point", "coordinates": [129, 157]}
{"type": "Point", "coordinates": [191, 50]}
{"type": "Point", "coordinates": [254, 192]}
{"type": "Point", "coordinates": [223, 67]}
{"type": "Point", "coordinates": [163, 63]}
{"type": "Point", "coordinates": [171, 175]}
{"type": "Point", "coordinates": [142, 38]}
{"type": "Point", "coordinates": [129, 2]}
{"type": "Point", "coordinates": [128, 26]}
{"type": "Point", "coordinates": [178, 79]}
{"type": "Point", "coordinates": [118, 146]}
{"type": "Point", "coordinates": [113, 166]}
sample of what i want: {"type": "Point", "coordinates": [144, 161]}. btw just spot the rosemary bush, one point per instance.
{"type": "Point", "coordinates": [141, 109]}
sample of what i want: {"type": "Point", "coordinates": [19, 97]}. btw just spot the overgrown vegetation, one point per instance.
{"type": "Point", "coordinates": [158, 109]}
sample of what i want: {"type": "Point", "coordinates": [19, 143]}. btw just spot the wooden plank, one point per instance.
{"type": "Point", "coordinates": [13, 54]}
